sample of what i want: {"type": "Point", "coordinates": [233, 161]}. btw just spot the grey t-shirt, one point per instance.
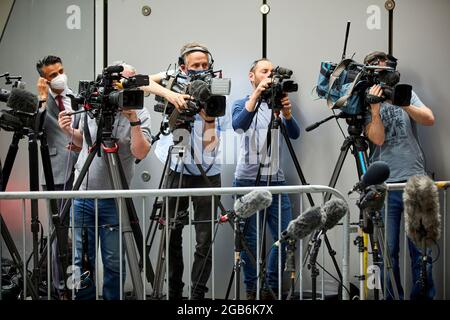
{"type": "Point", "coordinates": [99, 178]}
{"type": "Point", "coordinates": [401, 149]}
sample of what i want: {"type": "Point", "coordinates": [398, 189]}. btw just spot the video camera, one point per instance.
{"type": "Point", "coordinates": [22, 107]}
{"type": "Point", "coordinates": [207, 92]}
{"type": "Point", "coordinates": [279, 86]}
{"type": "Point", "coordinates": [111, 92]}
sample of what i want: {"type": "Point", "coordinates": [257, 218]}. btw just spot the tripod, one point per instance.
{"type": "Point", "coordinates": [34, 135]}
{"type": "Point", "coordinates": [277, 125]}
{"type": "Point", "coordinates": [358, 145]}
{"type": "Point", "coordinates": [180, 149]}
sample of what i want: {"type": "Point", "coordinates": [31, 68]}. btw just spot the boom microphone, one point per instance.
{"type": "Point", "coordinates": [303, 225]}
{"type": "Point", "coordinates": [377, 173]}
{"type": "Point", "coordinates": [22, 100]}
{"type": "Point", "coordinates": [252, 202]}
{"type": "Point", "coordinates": [422, 216]}
{"type": "Point", "coordinates": [114, 69]}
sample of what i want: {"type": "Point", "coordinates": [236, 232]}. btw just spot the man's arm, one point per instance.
{"type": "Point", "coordinates": [375, 128]}
{"type": "Point", "coordinates": [422, 115]}
{"type": "Point", "coordinates": [177, 99]}
{"type": "Point", "coordinates": [140, 146]}
{"type": "Point", "coordinates": [292, 126]}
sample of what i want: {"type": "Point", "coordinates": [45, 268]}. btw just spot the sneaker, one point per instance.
{"type": "Point", "coordinates": [267, 294]}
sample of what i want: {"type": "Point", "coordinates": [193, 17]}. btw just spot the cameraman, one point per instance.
{"type": "Point", "coordinates": [132, 130]}
{"type": "Point", "coordinates": [202, 139]}
{"type": "Point", "coordinates": [254, 120]}
{"type": "Point", "coordinates": [392, 130]}
{"type": "Point", "coordinates": [53, 95]}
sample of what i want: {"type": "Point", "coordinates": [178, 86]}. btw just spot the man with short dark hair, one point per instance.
{"type": "Point", "coordinates": [251, 117]}
{"type": "Point", "coordinates": [53, 94]}
{"type": "Point", "coordinates": [393, 133]}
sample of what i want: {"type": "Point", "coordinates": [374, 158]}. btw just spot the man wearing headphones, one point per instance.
{"type": "Point", "coordinates": [393, 132]}
{"type": "Point", "coordinates": [201, 139]}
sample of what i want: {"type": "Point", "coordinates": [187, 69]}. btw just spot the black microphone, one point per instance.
{"type": "Point", "coordinates": [422, 216]}
{"type": "Point", "coordinates": [334, 210]}
{"type": "Point", "coordinates": [303, 225]}
{"type": "Point", "coordinates": [252, 202]}
{"type": "Point", "coordinates": [22, 100]}
{"type": "Point", "coordinates": [199, 90]}
{"type": "Point", "coordinates": [114, 69]}
{"type": "Point", "coordinates": [377, 173]}
{"type": "Point", "coordinates": [284, 71]}
{"type": "Point", "coordinates": [4, 95]}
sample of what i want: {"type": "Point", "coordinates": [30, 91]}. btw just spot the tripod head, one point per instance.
{"type": "Point", "coordinates": [355, 123]}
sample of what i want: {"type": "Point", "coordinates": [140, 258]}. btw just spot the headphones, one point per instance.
{"type": "Point", "coordinates": [195, 49]}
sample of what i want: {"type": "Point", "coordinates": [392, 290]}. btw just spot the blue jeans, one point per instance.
{"type": "Point", "coordinates": [250, 275]}
{"type": "Point", "coordinates": [108, 222]}
{"type": "Point", "coordinates": [395, 202]}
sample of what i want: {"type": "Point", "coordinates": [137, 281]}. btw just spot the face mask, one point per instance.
{"type": "Point", "coordinates": [59, 83]}
{"type": "Point", "coordinates": [192, 73]}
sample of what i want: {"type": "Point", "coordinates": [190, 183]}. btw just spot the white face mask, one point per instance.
{"type": "Point", "coordinates": [59, 83]}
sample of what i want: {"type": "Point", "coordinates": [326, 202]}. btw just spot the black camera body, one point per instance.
{"type": "Point", "coordinates": [388, 78]}
{"type": "Point", "coordinates": [103, 93]}
{"type": "Point", "coordinates": [206, 90]}
{"type": "Point", "coordinates": [279, 86]}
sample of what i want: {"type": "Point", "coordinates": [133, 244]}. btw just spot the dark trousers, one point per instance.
{"type": "Point", "coordinates": [201, 268]}
{"type": "Point", "coordinates": [57, 272]}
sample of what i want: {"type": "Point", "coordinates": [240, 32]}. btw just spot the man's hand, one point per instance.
{"type": "Point", "coordinates": [65, 122]}
{"type": "Point", "coordinates": [42, 88]}
{"type": "Point", "coordinates": [286, 109]}
{"type": "Point", "coordinates": [130, 115]}
{"type": "Point", "coordinates": [377, 91]}
{"type": "Point", "coordinates": [262, 86]}
{"type": "Point", "coordinates": [177, 99]}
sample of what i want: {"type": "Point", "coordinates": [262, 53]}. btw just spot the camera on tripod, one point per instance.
{"type": "Point", "coordinates": [206, 90]}
{"type": "Point", "coordinates": [111, 91]}
{"type": "Point", "coordinates": [22, 112]}
{"type": "Point", "coordinates": [279, 86]}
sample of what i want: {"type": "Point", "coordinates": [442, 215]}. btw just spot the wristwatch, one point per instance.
{"type": "Point", "coordinates": [135, 123]}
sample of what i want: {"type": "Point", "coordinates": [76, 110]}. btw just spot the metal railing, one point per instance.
{"type": "Point", "coordinates": [164, 193]}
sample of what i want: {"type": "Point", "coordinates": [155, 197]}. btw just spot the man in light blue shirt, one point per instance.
{"type": "Point", "coordinates": [200, 141]}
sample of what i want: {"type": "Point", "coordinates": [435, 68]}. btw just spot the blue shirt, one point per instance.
{"type": "Point", "coordinates": [253, 127]}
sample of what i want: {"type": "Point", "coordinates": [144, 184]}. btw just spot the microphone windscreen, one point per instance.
{"type": "Point", "coordinates": [252, 202]}
{"type": "Point", "coordinates": [22, 100]}
{"type": "Point", "coordinates": [114, 69]}
{"type": "Point", "coordinates": [334, 210]}
{"type": "Point", "coordinates": [199, 90]}
{"type": "Point", "coordinates": [422, 216]}
{"type": "Point", "coordinates": [305, 223]}
{"type": "Point", "coordinates": [377, 173]}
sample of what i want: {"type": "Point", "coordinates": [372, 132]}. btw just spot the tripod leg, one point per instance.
{"type": "Point", "coordinates": [10, 157]}
{"type": "Point", "coordinates": [60, 231]}
{"type": "Point", "coordinates": [387, 259]}
{"type": "Point", "coordinates": [112, 161]}
{"type": "Point", "coordinates": [15, 255]}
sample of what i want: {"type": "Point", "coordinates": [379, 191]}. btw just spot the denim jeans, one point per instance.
{"type": "Point", "coordinates": [250, 236]}
{"type": "Point", "coordinates": [395, 203]}
{"type": "Point", "coordinates": [108, 222]}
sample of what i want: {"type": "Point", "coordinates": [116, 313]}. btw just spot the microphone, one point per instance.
{"type": "Point", "coordinates": [303, 225]}
{"type": "Point", "coordinates": [22, 101]}
{"type": "Point", "coordinates": [334, 210]}
{"type": "Point", "coordinates": [252, 202]}
{"type": "Point", "coordinates": [377, 173]}
{"type": "Point", "coordinates": [284, 71]}
{"type": "Point", "coordinates": [199, 90]}
{"type": "Point", "coordinates": [422, 216]}
{"type": "Point", "coordinates": [114, 69]}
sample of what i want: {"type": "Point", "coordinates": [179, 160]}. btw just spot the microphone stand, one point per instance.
{"type": "Point", "coordinates": [423, 263]}
{"type": "Point", "coordinates": [290, 265]}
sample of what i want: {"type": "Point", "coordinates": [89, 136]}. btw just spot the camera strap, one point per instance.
{"type": "Point", "coordinates": [87, 133]}
{"type": "Point", "coordinates": [340, 68]}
